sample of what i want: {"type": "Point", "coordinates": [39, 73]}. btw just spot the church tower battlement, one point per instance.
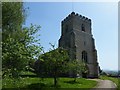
{"type": "Point", "coordinates": [76, 36]}
{"type": "Point", "coordinates": [75, 21]}
{"type": "Point", "coordinates": [77, 16]}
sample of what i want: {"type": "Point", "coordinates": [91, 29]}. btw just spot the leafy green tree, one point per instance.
{"type": "Point", "coordinates": [19, 44]}
{"type": "Point", "coordinates": [54, 63]}
{"type": "Point", "coordinates": [76, 67]}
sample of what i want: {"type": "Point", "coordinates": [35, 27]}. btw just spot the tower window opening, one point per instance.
{"type": "Point", "coordinates": [83, 28]}
{"type": "Point", "coordinates": [84, 56]}
{"type": "Point", "coordinates": [84, 43]}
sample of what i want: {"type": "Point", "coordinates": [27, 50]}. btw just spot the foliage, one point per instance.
{"type": "Point", "coordinates": [53, 63]}
{"type": "Point", "coordinates": [27, 73]}
{"type": "Point", "coordinates": [19, 44]}
{"type": "Point", "coordinates": [76, 68]}
{"type": "Point", "coordinates": [13, 16]}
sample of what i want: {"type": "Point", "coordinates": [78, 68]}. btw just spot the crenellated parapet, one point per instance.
{"type": "Point", "coordinates": [76, 15]}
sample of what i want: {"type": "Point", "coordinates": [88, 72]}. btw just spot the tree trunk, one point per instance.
{"type": "Point", "coordinates": [74, 79]}
{"type": "Point", "coordinates": [55, 81]}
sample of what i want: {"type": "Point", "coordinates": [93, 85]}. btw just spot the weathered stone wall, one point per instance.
{"type": "Point", "coordinates": [77, 37]}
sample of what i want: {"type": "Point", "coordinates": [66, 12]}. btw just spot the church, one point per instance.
{"type": "Point", "coordinates": [77, 38]}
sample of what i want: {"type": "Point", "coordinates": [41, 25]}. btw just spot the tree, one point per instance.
{"type": "Point", "coordinates": [76, 67]}
{"type": "Point", "coordinates": [53, 63]}
{"type": "Point", "coordinates": [19, 44]}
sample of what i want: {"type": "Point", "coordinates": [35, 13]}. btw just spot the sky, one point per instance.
{"type": "Point", "coordinates": [104, 16]}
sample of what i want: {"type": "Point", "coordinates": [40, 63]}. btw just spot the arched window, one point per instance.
{"type": "Point", "coordinates": [72, 39]}
{"type": "Point", "coordinates": [83, 28]}
{"type": "Point", "coordinates": [84, 56]}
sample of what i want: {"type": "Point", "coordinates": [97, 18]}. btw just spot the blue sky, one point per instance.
{"type": "Point", "coordinates": [104, 18]}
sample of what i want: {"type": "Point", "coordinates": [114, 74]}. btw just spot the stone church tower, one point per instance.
{"type": "Point", "coordinates": [77, 38]}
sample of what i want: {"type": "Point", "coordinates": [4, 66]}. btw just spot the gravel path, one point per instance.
{"type": "Point", "coordinates": [104, 85]}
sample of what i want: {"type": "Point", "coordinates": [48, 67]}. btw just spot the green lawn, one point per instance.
{"type": "Point", "coordinates": [0, 80]}
{"type": "Point", "coordinates": [115, 80]}
{"type": "Point", "coordinates": [47, 83]}
{"type": "Point", "coordinates": [0, 83]}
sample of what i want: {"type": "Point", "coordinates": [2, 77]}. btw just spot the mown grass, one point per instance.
{"type": "Point", "coordinates": [0, 83]}
{"type": "Point", "coordinates": [0, 80]}
{"type": "Point", "coordinates": [47, 83]}
{"type": "Point", "coordinates": [115, 80]}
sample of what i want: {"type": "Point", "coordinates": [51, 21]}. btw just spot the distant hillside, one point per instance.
{"type": "Point", "coordinates": [112, 73]}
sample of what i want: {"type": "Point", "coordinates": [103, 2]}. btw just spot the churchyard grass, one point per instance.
{"type": "Point", "coordinates": [36, 82]}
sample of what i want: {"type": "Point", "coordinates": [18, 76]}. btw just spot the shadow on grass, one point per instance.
{"type": "Point", "coordinates": [41, 86]}
{"type": "Point", "coordinates": [71, 82]}
{"type": "Point", "coordinates": [36, 85]}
